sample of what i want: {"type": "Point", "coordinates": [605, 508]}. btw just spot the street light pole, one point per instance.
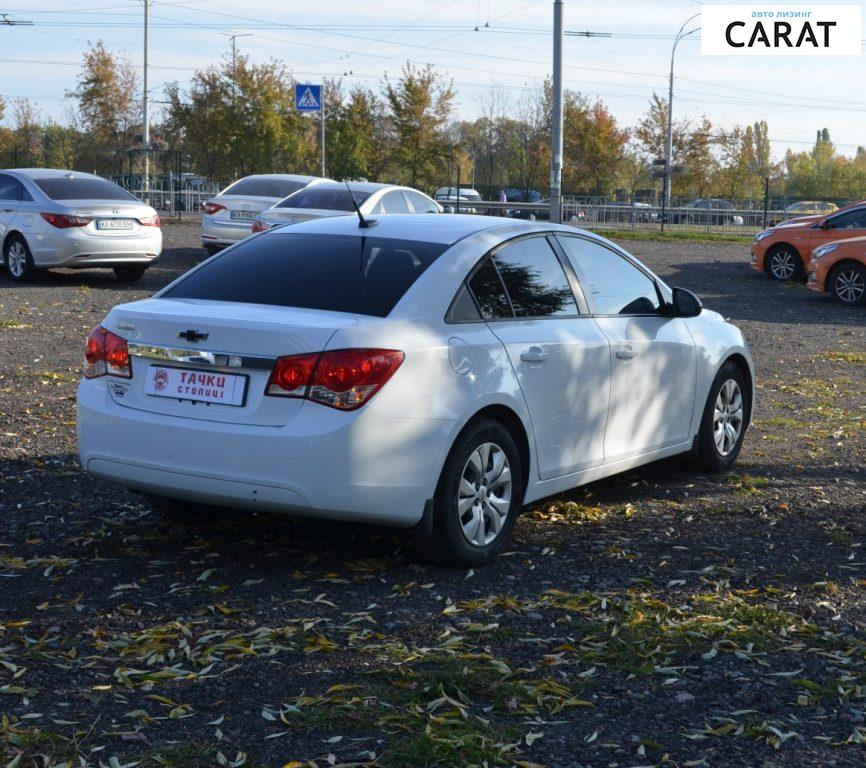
{"type": "Point", "coordinates": [556, 128]}
{"type": "Point", "coordinates": [145, 107]}
{"type": "Point", "coordinates": [669, 142]}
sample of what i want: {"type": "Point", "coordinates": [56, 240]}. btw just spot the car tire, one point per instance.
{"type": "Point", "coordinates": [130, 273]}
{"type": "Point", "coordinates": [847, 284]}
{"type": "Point", "coordinates": [212, 250]}
{"type": "Point", "coordinates": [464, 525]}
{"type": "Point", "coordinates": [783, 263]}
{"type": "Point", "coordinates": [182, 512]}
{"type": "Point", "coordinates": [19, 260]}
{"type": "Point", "coordinates": [724, 421]}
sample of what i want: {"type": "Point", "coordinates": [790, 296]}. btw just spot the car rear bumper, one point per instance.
{"type": "Point", "coordinates": [71, 248]}
{"type": "Point", "coordinates": [223, 232]}
{"type": "Point", "coordinates": [354, 466]}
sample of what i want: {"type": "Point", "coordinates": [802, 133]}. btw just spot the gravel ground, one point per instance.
{"type": "Point", "coordinates": [656, 618]}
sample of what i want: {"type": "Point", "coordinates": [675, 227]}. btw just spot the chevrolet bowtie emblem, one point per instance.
{"type": "Point", "coordinates": [192, 335]}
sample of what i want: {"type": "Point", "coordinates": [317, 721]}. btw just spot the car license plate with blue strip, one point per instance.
{"type": "Point", "coordinates": [114, 224]}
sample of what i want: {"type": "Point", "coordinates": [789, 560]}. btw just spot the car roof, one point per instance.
{"type": "Point", "coordinates": [50, 173]}
{"type": "Point", "coordinates": [358, 186]}
{"type": "Point", "coordinates": [445, 229]}
{"type": "Point", "coordinates": [281, 176]}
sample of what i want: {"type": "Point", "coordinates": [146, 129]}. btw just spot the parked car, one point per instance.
{"type": "Point", "coordinates": [839, 269]}
{"type": "Point", "coordinates": [430, 372]}
{"type": "Point", "coordinates": [783, 251]}
{"type": "Point", "coordinates": [333, 198]}
{"type": "Point", "coordinates": [447, 198]}
{"type": "Point", "coordinates": [58, 218]}
{"type": "Point", "coordinates": [515, 195]}
{"type": "Point", "coordinates": [228, 216]}
{"type": "Point", "coordinates": [712, 212]}
{"type": "Point", "coordinates": [805, 208]}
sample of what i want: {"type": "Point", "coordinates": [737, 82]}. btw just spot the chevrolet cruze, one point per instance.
{"type": "Point", "coordinates": [428, 372]}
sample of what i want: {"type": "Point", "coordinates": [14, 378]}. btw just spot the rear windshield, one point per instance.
{"type": "Point", "coordinates": [328, 199]}
{"type": "Point", "coordinates": [360, 275]}
{"type": "Point", "coordinates": [264, 187]}
{"type": "Point", "coordinates": [81, 188]}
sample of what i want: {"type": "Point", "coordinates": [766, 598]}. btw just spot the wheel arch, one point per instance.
{"type": "Point", "coordinates": [745, 367]}
{"type": "Point", "coordinates": [11, 235]}
{"type": "Point", "coordinates": [831, 273]}
{"type": "Point", "coordinates": [511, 421]}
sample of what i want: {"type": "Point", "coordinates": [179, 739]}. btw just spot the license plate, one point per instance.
{"type": "Point", "coordinates": [114, 223]}
{"type": "Point", "coordinates": [198, 386]}
{"type": "Point", "coordinates": [243, 215]}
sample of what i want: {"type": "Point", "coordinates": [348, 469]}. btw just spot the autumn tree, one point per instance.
{"type": "Point", "coordinates": [593, 146]}
{"type": "Point", "coordinates": [109, 107]}
{"type": "Point", "coordinates": [420, 104]}
{"type": "Point", "coordinates": [359, 137]}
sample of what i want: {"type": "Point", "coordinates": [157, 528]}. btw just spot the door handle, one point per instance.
{"type": "Point", "coordinates": [7, 210]}
{"type": "Point", "coordinates": [534, 355]}
{"type": "Point", "coordinates": [625, 354]}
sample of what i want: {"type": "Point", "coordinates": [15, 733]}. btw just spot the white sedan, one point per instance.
{"type": "Point", "coordinates": [228, 216]}
{"type": "Point", "coordinates": [429, 372]}
{"type": "Point", "coordinates": [337, 198]}
{"type": "Point", "coordinates": [56, 218]}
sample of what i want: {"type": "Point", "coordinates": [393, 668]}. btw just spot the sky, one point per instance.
{"type": "Point", "coordinates": [480, 44]}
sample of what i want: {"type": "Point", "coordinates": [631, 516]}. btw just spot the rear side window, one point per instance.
{"type": "Point", "coordinates": [264, 187]}
{"type": "Point", "coordinates": [327, 199]}
{"type": "Point", "coordinates": [421, 204]}
{"type": "Point", "coordinates": [615, 285]}
{"type": "Point", "coordinates": [393, 202]}
{"type": "Point", "coordinates": [534, 279]}
{"type": "Point", "coordinates": [10, 188]}
{"type": "Point", "coordinates": [360, 275]}
{"type": "Point", "coordinates": [81, 188]}
{"type": "Point", "coordinates": [489, 292]}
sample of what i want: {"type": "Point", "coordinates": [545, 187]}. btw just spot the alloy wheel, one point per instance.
{"type": "Point", "coordinates": [783, 265]}
{"type": "Point", "coordinates": [16, 258]}
{"type": "Point", "coordinates": [849, 286]}
{"type": "Point", "coordinates": [484, 494]}
{"type": "Point", "coordinates": [728, 417]}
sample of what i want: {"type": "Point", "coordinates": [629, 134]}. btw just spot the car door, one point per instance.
{"type": "Point", "coordinates": [559, 355]}
{"type": "Point", "coordinates": [10, 200]}
{"type": "Point", "coordinates": [653, 358]}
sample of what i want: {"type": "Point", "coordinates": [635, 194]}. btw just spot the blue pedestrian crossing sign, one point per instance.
{"type": "Point", "coordinates": [308, 98]}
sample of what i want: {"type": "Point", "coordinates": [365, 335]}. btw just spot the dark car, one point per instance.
{"type": "Point", "coordinates": [710, 211]}
{"type": "Point", "coordinates": [515, 195]}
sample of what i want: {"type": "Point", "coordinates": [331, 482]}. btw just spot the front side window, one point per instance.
{"type": "Point", "coordinates": [614, 285]}
{"type": "Point", "coordinates": [81, 188]}
{"type": "Point", "coordinates": [855, 219]}
{"type": "Point", "coordinates": [342, 273]}
{"type": "Point", "coordinates": [534, 279]}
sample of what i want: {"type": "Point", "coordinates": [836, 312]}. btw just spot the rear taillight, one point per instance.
{"type": "Point", "coordinates": [149, 221]}
{"type": "Point", "coordinates": [106, 354]}
{"type": "Point", "coordinates": [340, 378]}
{"type": "Point", "coordinates": [62, 221]}
{"type": "Point", "coordinates": [260, 226]}
{"type": "Point", "coordinates": [212, 208]}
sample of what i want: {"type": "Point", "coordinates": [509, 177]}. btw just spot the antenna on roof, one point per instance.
{"type": "Point", "coordinates": [364, 223]}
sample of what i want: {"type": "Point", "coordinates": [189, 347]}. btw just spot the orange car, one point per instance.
{"type": "Point", "coordinates": [840, 269]}
{"type": "Point", "coordinates": [783, 251]}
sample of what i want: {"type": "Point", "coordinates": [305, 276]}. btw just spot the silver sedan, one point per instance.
{"type": "Point", "coordinates": [55, 218]}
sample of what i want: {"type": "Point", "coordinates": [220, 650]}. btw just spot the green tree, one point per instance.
{"type": "Point", "coordinates": [420, 104]}
{"type": "Point", "coordinates": [109, 107]}
{"type": "Point", "coordinates": [359, 136]}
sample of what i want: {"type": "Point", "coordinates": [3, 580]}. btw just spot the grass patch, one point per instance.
{"type": "Point", "coordinates": [672, 237]}
{"type": "Point", "coordinates": [844, 357]}
{"type": "Point", "coordinates": [13, 325]}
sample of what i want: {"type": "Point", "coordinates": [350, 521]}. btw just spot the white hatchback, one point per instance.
{"type": "Point", "coordinates": [430, 372]}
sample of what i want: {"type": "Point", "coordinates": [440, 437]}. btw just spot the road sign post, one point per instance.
{"type": "Point", "coordinates": [308, 98]}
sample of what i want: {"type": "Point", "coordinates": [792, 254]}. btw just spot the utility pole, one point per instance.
{"type": "Point", "coordinates": [322, 111]}
{"type": "Point", "coordinates": [145, 184]}
{"type": "Point", "coordinates": [556, 128]}
{"type": "Point", "coordinates": [234, 38]}
{"type": "Point", "coordinates": [669, 142]}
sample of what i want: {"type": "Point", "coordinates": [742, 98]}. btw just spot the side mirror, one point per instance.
{"type": "Point", "coordinates": [685, 303]}
{"type": "Point", "coordinates": [824, 225]}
